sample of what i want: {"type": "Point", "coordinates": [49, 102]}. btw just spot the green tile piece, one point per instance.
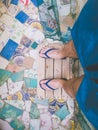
{"type": "Point", "coordinates": [9, 111]}
{"type": "Point", "coordinates": [17, 124]}
{"type": "Point", "coordinates": [62, 112]}
{"type": "Point", "coordinates": [4, 75]}
{"type": "Point", "coordinates": [30, 82]}
{"type": "Point", "coordinates": [34, 112]}
{"type": "Point", "coordinates": [18, 76]}
{"type": "Point", "coordinates": [34, 45]}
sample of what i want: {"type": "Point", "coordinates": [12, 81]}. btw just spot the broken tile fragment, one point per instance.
{"type": "Point", "coordinates": [28, 62]}
{"type": "Point", "coordinates": [52, 109]}
{"type": "Point", "coordinates": [16, 103]}
{"type": "Point", "coordinates": [34, 112]}
{"type": "Point", "coordinates": [18, 60]}
{"type": "Point", "coordinates": [46, 122]}
{"type": "Point", "coordinates": [34, 34]}
{"type": "Point", "coordinates": [26, 119]}
{"type": "Point", "coordinates": [28, 105]}
{"type": "Point", "coordinates": [29, 73]}
{"type": "Point", "coordinates": [15, 2]}
{"type": "Point", "coordinates": [16, 35]}
{"type": "Point", "coordinates": [5, 17]}
{"type": "Point", "coordinates": [30, 82]}
{"type": "Point", "coordinates": [20, 95]}
{"type": "Point", "coordinates": [40, 101]}
{"type": "Point", "coordinates": [22, 16]}
{"type": "Point", "coordinates": [4, 36]}
{"type": "Point", "coordinates": [9, 111]}
{"type": "Point", "coordinates": [1, 103]}
{"type": "Point", "coordinates": [17, 124]}
{"type": "Point", "coordinates": [37, 3]}
{"type": "Point", "coordinates": [70, 104]}
{"type": "Point", "coordinates": [60, 103]}
{"type": "Point", "coordinates": [3, 89]}
{"type": "Point", "coordinates": [9, 49]}
{"type": "Point", "coordinates": [52, 105]}
{"type": "Point", "coordinates": [35, 124]}
{"type": "Point", "coordinates": [55, 122]}
{"type": "Point", "coordinates": [4, 96]}
{"type": "Point", "coordinates": [14, 86]}
{"type": "Point", "coordinates": [25, 41]}
{"type": "Point", "coordinates": [33, 53]}
{"type": "Point", "coordinates": [13, 9]}
{"type": "Point", "coordinates": [67, 121]}
{"type": "Point", "coordinates": [34, 45]}
{"type": "Point", "coordinates": [14, 68]}
{"type": "Point", "coordinates": [3, 63]}
{"type": "Point", "coordinates": [4, 75]}
{"type": "Point", "coordinates": [32, 92]}
{"type": "Point", "coordinates": [4, 125]}
{"type": "Point", "coordinates": [42, 108]}
{"type": "Point", "coordinates": [18, 76]}
{"type": "Point", "coordinates": [62, 112]}
{"type": "Point", "coordinates": [3, 9]}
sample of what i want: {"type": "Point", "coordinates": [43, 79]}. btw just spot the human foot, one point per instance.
{"type": "Point", "coordinates": [70, 86]}
{"type": "Point", "coordinates": [58, 51]}
{"type": "Point", "coordinates": [51, 84]}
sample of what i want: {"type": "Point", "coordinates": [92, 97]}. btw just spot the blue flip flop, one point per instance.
{"type": "Point", "coordinates": [47, 85]}
{"type": "Point", "coordinates": [46, 53]}
{"type": "Point", "coordinates": [47, 56]}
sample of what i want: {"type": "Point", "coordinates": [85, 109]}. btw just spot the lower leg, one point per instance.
{"type": "Point", "coordinates": [70, 50]}
{"type": "Point", "coordinates": [72, 86]}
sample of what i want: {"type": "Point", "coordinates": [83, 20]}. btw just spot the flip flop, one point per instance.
{"type": "Point", "coordinates": [51, 88]}
{"type": "Point", "coordinates": [46, 53]}
{"type": "Point", "coordinates": [47, 85]}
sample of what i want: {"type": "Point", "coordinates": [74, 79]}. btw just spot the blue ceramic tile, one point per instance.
{"type": "Point", "coordinates": [37, 2]}
{"type": "Point", "coordinates": [15, 2]}
{"type": "Point", "coordinates": [9, 49]}
{"type": "Point", "coordinates": [22, 16]}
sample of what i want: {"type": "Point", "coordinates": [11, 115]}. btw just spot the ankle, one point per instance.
{"type": "Point", "coordinates": [76, 84]}
{"type": "Point", "coordinates": [70, 50]}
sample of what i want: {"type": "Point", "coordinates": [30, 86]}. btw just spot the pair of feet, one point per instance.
{"type": "Point", "coordinates": [60, 51]}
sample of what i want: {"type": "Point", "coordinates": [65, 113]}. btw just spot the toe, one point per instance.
{"type": "Point", "coordinates": [44, 87]}
{"type": "Point", "coordinates": [42, 55]}
{"type": "Point", "coordinates": [44, 49]}
{"type": "Point", "coordinates": [43, 81]}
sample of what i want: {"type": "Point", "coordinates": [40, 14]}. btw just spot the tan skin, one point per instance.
{"type": "Point", "coordinates": [65, 50]}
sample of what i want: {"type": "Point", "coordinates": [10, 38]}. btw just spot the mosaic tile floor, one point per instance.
{"type": "Point", "coordinates": [21, 33]}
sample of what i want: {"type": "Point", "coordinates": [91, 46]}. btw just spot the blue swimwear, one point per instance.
{"type": "Point", "coordinates": [85, 38]}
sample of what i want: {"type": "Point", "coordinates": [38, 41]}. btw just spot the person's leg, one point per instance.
{"type": "Point", "coordinates": [58, 51]}
{"type": "Point", "coordinates": [70, 86]}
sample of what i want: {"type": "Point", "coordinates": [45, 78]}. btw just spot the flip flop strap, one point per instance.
{"type": "Point", "coordinates": [49, 85]}
{"type": "Point", "coordinates": [46, 53]}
